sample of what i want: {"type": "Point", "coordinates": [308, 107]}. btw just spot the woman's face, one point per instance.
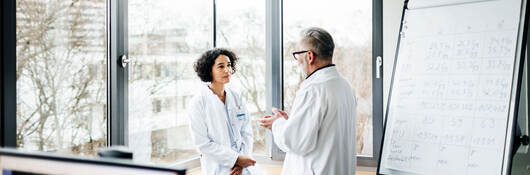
{"type": "Point", "coordinates": [222, 70]}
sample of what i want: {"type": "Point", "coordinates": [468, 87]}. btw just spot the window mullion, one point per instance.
{"type": "Point", "coordinates": [117, 85]}
{"type": "Point", "coordinates": [8, 74]}
{"type": "Point", "coordinates": [274, 71]}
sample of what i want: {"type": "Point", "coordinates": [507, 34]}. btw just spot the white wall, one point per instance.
{"type": "Point", "coordinates": [392, 10]}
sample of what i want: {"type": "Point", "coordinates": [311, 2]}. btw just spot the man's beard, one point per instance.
{"type": "Point", "coordinates": [302, 70]}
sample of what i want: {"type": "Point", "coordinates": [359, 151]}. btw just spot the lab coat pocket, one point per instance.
{"type": "Point", "coordinates": [237, 114]}
{"type": "Point", "coordinates": [238, 117]}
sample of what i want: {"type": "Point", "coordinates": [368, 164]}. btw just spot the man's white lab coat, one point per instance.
{"type": "Point", "coordinates": [210, 129]}
{"type": "Point", "coordinates": [319, 135]}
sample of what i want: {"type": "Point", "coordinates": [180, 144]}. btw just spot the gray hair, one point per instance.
{"type": "Point", "coordinates": [320, 41]}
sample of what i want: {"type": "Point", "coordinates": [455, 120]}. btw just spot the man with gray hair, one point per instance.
{"type": "Point", "coordinates": [318, 134]}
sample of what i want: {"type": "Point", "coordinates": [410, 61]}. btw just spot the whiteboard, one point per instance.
{"type": "Point", "coordinates": [415, 4]}
{"type": "Point", "coordinates": [451, 105]}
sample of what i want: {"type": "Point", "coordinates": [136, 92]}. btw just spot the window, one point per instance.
{"type": "Point", "coordinates": [350, 24]}
{"type": "Point", "coordinates": [165, 38]}
{"type": "Point", "coordinates": [61, 69]}
{"type": "Point", "coordinates": [60, 76]}
{"type": "Point", "coordinates": [241, 28]}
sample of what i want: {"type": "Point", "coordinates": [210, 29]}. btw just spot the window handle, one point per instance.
{"type": "Point", "coordinates": [379, 65]}
{"type": "Point", "coordinates": [124, 61]}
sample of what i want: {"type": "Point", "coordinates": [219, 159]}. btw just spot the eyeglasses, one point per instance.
{"type": "Point", "coordinates": [299, 52]}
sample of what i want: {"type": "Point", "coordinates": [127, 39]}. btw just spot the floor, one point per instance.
{"type": "Point", "coordinates": [277, 169]}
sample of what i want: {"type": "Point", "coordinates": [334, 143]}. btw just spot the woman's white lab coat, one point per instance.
{"type": "Point", "coordinates": [210, 129]}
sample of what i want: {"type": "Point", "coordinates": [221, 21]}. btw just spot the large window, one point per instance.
{"type": "Point", "coordinates": [165, 38]}
{"type": "Point", "coordinates": [350, 24]}
{"type": "Point", "coordinates": [164, 42]}
{"type": "Point", "coordinates": [241, 28]}
{"type": "Point", "coordinates": [61, 76]}
{"type": "Point", "coordinates": [62, 69]}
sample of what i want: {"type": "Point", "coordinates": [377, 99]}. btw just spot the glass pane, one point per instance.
{"type": "Point", "coordinates": [350, 24]}
{"type": "Point", "coordinates": [165, 38]}
{"type": "Point", "coordinates": [61, 76]}
{"type": "Point", "coordinates": [241, 28]}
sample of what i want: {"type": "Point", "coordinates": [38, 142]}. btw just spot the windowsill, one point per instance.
{"type": "Point", "coordinates": [268, 166]}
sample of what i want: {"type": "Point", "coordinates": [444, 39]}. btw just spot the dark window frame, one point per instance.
{"type": "Point", "coordinates": [8, 74]}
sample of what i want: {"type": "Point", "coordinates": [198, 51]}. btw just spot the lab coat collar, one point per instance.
{"type": "Point", "coordinates": [228, 96]}
{"type": "Point", "coordinates": [329, 65]}
{"type": "Point", "coordinates": [206, 89]}
{"type": "Point", "coordinates": [325, 73]}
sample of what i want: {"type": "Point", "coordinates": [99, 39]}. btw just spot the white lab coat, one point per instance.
{"type": "Point", "coordinates": [319, 136]}
{"type": "Point", "coordinates": [210, 130]}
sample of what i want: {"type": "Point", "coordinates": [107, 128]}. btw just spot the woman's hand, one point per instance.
{"type": "Point", "coordinates": [267, 121]}
{"type": "Point", "coordinates": [245, 162]}
{"type": "Point", "coordinates": [236, 170]}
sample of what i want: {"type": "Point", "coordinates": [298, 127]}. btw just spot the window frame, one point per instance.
{"type": "Point", "coordinates": [274, 67]}
{"type": "Point", "coordinates": [8, 74]}
{"type": "Point", "coordinates": [117, 75]}
{"type": "Point", "coordinates": [116, 86]}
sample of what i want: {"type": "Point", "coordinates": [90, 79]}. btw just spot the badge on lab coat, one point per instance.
{"type": "Point", "coordinates": [240, 116]}
{"type": "Point", "coordinates": [237, 113]}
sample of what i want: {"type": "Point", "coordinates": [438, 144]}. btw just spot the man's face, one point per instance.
{"type": "Point", "coordinates": [302, 59]}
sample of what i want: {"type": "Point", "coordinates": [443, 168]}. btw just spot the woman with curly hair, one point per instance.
{"type": "Point", "coordinates": [219, 121]}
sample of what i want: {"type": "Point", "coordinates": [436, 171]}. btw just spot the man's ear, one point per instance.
{"type": "Point", "coordinates": [311, 56]}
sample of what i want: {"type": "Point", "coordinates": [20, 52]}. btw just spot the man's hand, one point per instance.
{"type": "Point", "coordinates": [245, 162]}
{"type": "Point", "coordinates": [280, 113]}
{"type": "Point", "coordinates": [268, 120]}
{"type": "Point", "coordinates": [236, 170]}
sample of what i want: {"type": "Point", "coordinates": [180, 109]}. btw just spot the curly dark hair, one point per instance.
{"type": "Point", "coordinates": [203, 66]}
